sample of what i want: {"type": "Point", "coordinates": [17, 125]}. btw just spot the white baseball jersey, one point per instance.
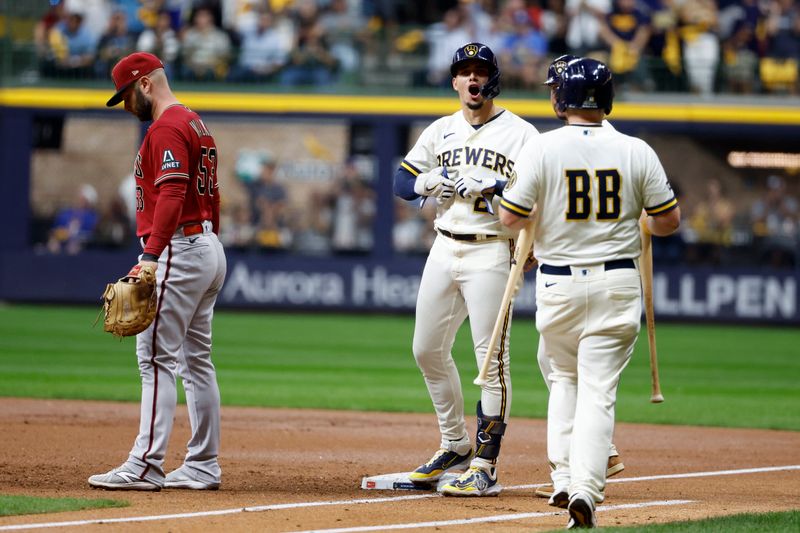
{"type": "Point", "coordinates": [466, 277]}
{"type": "Point", "coordinates": [590, 184]}
{"type": "Point", "coordinates": [487, 152]}
{"type": "Point", "coordinates": [590, 198]}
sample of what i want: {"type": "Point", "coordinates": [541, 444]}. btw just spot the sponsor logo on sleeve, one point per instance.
{"type": "Point", "coordinates": [168, 161]}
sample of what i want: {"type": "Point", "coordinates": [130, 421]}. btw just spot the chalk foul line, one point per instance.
{"type": "Point", "coordinates": [358, 501]}
{"type": "Point", "coordinates": [495, 518]}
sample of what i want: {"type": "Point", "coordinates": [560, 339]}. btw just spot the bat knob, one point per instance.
{"type": "Point", "coordinates": [656, 398]}
{"type": "Point", "coordinates": [480, 382]}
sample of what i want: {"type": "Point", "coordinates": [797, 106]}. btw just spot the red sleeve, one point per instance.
{"type": "Point", "coordinates": [168, 209]}
{"type": "Point", "coordinates": [170, 148]}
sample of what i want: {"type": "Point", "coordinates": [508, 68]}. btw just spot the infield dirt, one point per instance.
{"type": "Point", "coordinates": [282, 456]}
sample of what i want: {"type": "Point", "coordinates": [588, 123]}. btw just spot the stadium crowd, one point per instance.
{"type": "Point", "coordinates": [703, 46]}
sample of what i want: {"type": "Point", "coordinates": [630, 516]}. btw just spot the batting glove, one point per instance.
{"type": "Point", "coordinates": [469, 187]}
{"type": "Point", "coordinates": [433, 183]}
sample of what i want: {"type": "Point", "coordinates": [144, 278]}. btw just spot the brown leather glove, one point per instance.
{"type": "Point", "coordinates": [129, 305]}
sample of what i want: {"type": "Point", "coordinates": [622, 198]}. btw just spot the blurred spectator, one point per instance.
{"type": "Point", "coordinates": [626, 32]}
{"type": "Point", "coordinates": [42, 29]}
{"type": "Point", "coordinates": [583, 26]}
{"type": "Point", "coordinates": [740, 60]}
{"type": "Point", "coordinates": [264, 51]}
{"type": "Point", "coordinates": [710, 224]}
{"type": "Point", "coordinates": [115, 43]}
{"type": "Point", "coordinates": [776, 221]}
{"type": "Point", "coordinates": [783, 29]}
{"type": "Point", "coordinates": [133, 11]}
{"type": "Point", "coordinates": [354, 211]}
{"type": "Point", "coordinates": [664, 47]}
{"type": "Point", "coordinates": [697, 21]}
{"type": "Point", "coordinates": [443, 39]}
{"type": "Point", "coordinates": [96, 14]}
{"type": "Point", "coordinates": [265, 191]}
{"type": "Point", "coordinates": [114, 228]}
{"type": "Point", "coordinates": [236, 227]}
{"type": "Point", "coordinates": [74, 226]}
{"type": "Point", "coordinates": [742, 28]}
{"type": "Point", "coordinates": [126, 191]}
{"type": "Point", "coordinates": [241, 16]}
{"type": "Point", "coordinates": [270, 207]}
{"type": "Point", "coordinates": [71, 48]}
{"type": "Point", "coordinates": [312, 236]}
{"type": "Point", "coordinates": [554, 26]}
{"type": "Point", "coordinates": [205, 49]}
{"type": "Point", "coordinates": [162, 41]}
{"type": "Point", "coordinates": [348, 33]}
{"type": "Point", "coordinates": [522, 52]}
{"type": "Point", "coordinates": [779, 68]}
{"type": "Point", "coordinates": [310, 62]}
{"type": "Point", "coordinates": [272, 231]}
{"type": "Point", "coordinates": [409, 228]}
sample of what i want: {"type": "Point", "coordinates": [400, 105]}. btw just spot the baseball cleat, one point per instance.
{"type": "Point", "coordinates": [441, 462]}
{"type": "Point", "coordinates": [615, 466]}
{"type": "Point", "coordinates": [559, 499]}
{"type": "Point", "coordinates": [178, 479]}
{"type": "Point", "coordinates": [581, 512]}
{"type": "Point", "coordinates": [121, 479]}
{"type": "Point", "coordinates": [474, 482]}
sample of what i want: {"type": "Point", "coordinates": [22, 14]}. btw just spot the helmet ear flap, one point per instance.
{"type": "Point", "coordinates": [492, 87]}
{"type": "Point", "coordinates": [561, 103]}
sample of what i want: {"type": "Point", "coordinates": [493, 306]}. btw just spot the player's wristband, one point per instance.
{"type": "Point", "coordinates": [150, 257]}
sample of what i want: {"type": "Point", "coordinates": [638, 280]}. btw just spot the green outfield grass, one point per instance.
{"type": "Point", "coordinates": [730, 376]}
{"type": "Point", "coordinates": [19, 505]}
{"type": "Point", "coordinates": [740, 523]}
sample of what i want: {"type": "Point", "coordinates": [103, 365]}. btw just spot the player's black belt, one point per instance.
{"type": "Point", "coordinates": [467, 236]}
{"type": "Point", "coordinates": [567, 271]}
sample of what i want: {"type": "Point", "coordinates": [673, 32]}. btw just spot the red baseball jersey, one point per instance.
{"type": "Point", "coordinates": [178, 146]}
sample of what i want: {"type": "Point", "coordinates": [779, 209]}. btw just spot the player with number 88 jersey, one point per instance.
{"type": "Point", "coordinates": [589, 184]}
{"type": "Point", "coordinates": [463, 161]}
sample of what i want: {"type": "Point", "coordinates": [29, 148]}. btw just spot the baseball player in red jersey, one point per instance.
{"type": "Point", "coordinates": [177, 221]}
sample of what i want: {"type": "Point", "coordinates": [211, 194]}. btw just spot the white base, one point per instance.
{"type": "Point", "coordinates": [400, 481]}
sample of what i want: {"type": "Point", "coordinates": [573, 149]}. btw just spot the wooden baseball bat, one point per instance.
{"type": "Point", "coordinates": [524, 243]}
{"type": "Point", "coordinates": [646, 271]}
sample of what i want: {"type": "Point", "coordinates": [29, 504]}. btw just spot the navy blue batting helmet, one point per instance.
{"type": "Point", "coordinates": [483, 53]}
{"type": "Point", "coordinates": [585, 84]}
{"type": "Point", "coordinates": [556, 68]}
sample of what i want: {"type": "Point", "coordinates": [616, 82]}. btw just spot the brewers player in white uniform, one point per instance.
{"type": "Point", "coordinates": [461, 162]}
{"type": "Point", "coordinates": [615, 464]}
{"type": "Point", "coordinates": [590, 184]}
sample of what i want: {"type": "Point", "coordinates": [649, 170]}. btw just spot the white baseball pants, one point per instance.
{"type": "Point", "coordinates": [191, 271]}
{"type": "Point", "coordinates": [589, 322]}
{"type": "Point", "coordinates": [462, 279]}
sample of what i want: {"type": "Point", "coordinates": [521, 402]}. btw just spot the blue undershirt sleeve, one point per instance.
{"type": "Point", "coordinates": [404, 184]}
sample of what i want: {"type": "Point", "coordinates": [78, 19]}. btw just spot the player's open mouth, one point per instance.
{"type": "Point", "coordinates": [474, 90]}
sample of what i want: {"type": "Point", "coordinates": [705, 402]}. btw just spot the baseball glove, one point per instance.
{"type": "Point", "coordinates": [129, 305]}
